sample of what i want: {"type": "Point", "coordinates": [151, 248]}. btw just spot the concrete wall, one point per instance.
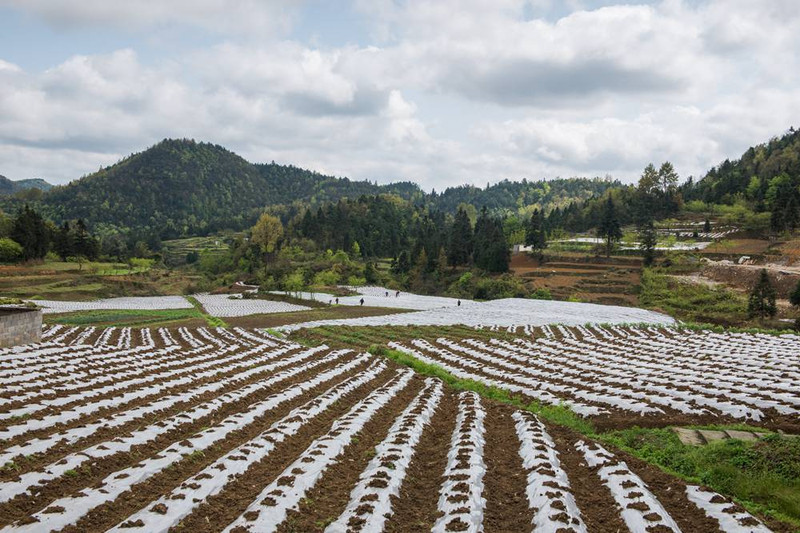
{"type": "Point", "coordinates": [20, 326]}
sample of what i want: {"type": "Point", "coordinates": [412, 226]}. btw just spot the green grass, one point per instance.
{"type": "Point", "coordinates": [125, 318]}
{"type": "Point", "coordinates": [137, 317]}
{"type": "Point", "coordinates": [557, 414]}
{"type": "Point", "coordinates": [212, 321]}
{"type": "Point", "coordinates": [692, 302]}
{"type": "Point", "coordinates": [763, 476]}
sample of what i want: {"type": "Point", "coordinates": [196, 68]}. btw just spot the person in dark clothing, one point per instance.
{"type": "Point", "coordinates": [362, 301]}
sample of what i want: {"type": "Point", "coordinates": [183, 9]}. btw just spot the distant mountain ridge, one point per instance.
{"type": "Point", "coordinates": [182, 187]}
{"type": "Point", "coordinates": [8, 186]}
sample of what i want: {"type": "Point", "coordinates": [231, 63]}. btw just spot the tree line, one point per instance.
{"type": "Point", "coordinates": [28, 236]}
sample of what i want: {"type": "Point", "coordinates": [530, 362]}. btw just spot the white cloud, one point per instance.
{"type": "Point", "coordinates": [249, 16]}
{"type": "Point", "coordinates": [595, 91]}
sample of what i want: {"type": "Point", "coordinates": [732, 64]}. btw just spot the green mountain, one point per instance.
{"type": "Point", "coordinates": [182, 187]}
{"type": "Point", "coordinates": [185, 188]}
{"type": "Point", "coordinates": [761, 168]}
{"type": "Point", "coordinates": [8, 186]}
{"type": "Point", "coordinates": [511, 196]}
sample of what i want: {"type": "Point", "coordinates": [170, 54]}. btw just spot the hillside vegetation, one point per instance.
{"type": "Point", "coordinates": [181, 188]}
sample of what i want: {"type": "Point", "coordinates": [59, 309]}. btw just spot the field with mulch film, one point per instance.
{"type": "Point", "coordinates": [235, 430]}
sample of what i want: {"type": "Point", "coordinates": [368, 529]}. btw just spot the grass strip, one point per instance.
{"type": "Point", "coordinates": [763, 476]}
{"type": "Point", "coordinates": [558, 414]}
{"type": "Point", "coordinates": [213, 321]}
{"type": "Point", "coordinates": [124, 317]}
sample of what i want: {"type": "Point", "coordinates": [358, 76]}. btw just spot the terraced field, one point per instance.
{"type": "Point", "coordinates": [236, 430]}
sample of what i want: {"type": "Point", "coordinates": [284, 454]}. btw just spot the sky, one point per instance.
{"type": "Point", "coordinates": [439, 92]}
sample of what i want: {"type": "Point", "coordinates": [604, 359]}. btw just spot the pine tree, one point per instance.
{"type": "Point", "coordinates": [402, 264]}
{"type": "Point", "coordinates": [762, 298]}
{"type": "Point", "coordinates": [491, 247]}
{"type": "Point", "coordinates": [460, 243]}
{"type": "Point", "coordinates": [85, 245]}
{"type": "Point", "coordinates": [791, 215]}
{"type": "Point", "coordinates": [535, 235]}
{"type": "Point", "coordinates": [63, 243]}
{"type": "Point", "coordinates": [776, 221]}
{"type": "Point", "coordinates": [30, 232]}
{"type": "Point", "coordinates": [648, 240]}
{"type": "Point", "coordinates": [794, 297]}
{"type": "Point", "coordinates": [609, 228]}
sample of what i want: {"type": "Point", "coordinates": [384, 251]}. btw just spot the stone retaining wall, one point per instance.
{"type": "Point", "coordinates": [20, 326]}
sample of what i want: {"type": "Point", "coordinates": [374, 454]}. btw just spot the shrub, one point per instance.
{"type": "Point", "coordinates": [325, 278]}
{"type": "Point", "coordinates": [542, 293]}
{"type": "Point", "coordinates": [10, 251]}
{"type": "Point", "coordinates": [507, 286]}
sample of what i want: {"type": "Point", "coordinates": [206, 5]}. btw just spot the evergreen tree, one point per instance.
{"type": "Point", "coordinates": [85, 245]}
{"type": "Point", "coordinates": [460, 243]}
{"type": "Point", "coordinates": [609, 228]}
{"type": "Point", "coordinates": [491, 248]}
{"type": "Point", "coordinates": [648, 239]}
{"type": "Point", "coordinates": [63, 243]}
{"type": "Point", "coordinates": [30, 232]}
{"type": "Point", "coordinates": [707, 225]}
{"type": "Point", "coordinates": [794, 297]}
{"type": "Point", "coordinates": [762, 298]}
{"type": "Point", "coordinates": [791, 215]}
{"type": "Point", "coordinates": [402, 264]}
{"type": "Point", "coordinates": [535, 235]}
{"type": "Point", "coordinates": [776, 221]}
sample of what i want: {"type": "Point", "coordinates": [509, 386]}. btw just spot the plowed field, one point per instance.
{"type": "Point", "coordinates": [236, 430]}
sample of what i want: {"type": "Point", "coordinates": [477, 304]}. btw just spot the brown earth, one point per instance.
{"type": "Point", "coordinates": [274, 320]}
{"type": "Point", "coordinates": [592, 279]}
{"type": "Point", "coordinates": [507, 508]}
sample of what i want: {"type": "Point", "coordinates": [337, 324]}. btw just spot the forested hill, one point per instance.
{"type": "Point", "coordinates": [182, 187]}
{"type": "Point", "coordinates": [516, 195]}
{"type": "Point", "coordinates": [8, 186]}
{"type": "Point", "coordinates": [755, 177]}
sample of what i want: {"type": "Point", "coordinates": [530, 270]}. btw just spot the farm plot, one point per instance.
{"type": "Point", "coordinates": [219, 305]}
{"type": "Point", "coordinates": [620, 376]}
{"type": "Point", "coordinates": [135, 303]}
{"type": "Point", "coordinates": [506, 312]}
{"type": "Point", "coordinates": [383, 297]}
{"type": "Point", "coordinates": [234, 430]}
{"type": "Point", "coordinates": [225, 306]}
